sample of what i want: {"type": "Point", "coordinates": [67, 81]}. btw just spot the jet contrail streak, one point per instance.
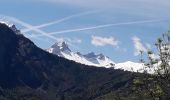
{"type": "Point", "coordinates": [101, 26]}
{"type": "Point", "coordinates": [58, 21]}
{"type": "Point", "coordinates": [36, 30]}
{"type": "Point", "coordinates": [30, 26]}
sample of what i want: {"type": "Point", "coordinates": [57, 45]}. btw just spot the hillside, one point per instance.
{"type": "Point", "coordinates": [27, 71]}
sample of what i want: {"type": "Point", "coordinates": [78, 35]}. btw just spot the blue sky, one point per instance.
{"type": "Point", "coordinates": [116, 28]}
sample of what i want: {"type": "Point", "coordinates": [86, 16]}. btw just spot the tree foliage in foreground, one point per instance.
{"type": "Point", "coordinates": [157, 85]}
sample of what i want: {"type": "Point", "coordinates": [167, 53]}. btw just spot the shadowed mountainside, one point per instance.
{"type": "Point", "coordinates": [27, 71]}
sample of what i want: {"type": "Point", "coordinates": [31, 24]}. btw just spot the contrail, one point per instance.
{"type": "Point", "coordinates": [42, 39]}
{"type": "Point", "coordinates": [58, 21]}
{"type": "Point", "coordinates": [36, 30]}
{"type": "Point", "coordinates": [101, 26]}
{"type": "Point", "coordinates": [30, 26]}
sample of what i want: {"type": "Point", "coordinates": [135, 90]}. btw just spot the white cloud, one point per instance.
{"type": "Point", "coordinates": [103, 41]}
{"type": "Point", "coordinates": [138, 46]}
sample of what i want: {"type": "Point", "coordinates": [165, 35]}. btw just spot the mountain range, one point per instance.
{"type": "Point", "coordinates": [61, 49]}
{"type": "Point", "coordinates": [99, 60]}
{"type": "Point", "coordinates": [31, 73]}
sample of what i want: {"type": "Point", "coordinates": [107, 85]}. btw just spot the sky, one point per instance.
{"type": "Point", "coordinates": [117, 28]}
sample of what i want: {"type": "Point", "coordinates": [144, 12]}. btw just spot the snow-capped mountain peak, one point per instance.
{"type": "Point", "coordinates": [78, 53]}
{"type": "Point", "coordinates": [61, 49]}
{"type": "Point", "coordinates": [99, 60]}
{"type": "Point", "coordinates": [90, 55]}
{"type": "Point", "coordinates": [130, 66]}
{"type": "Point", "coordinates": [62, 46]}
{"type": "Point", "coordinates": [93, 55]}
{"type": "Point", "coordinates": [101, 56]}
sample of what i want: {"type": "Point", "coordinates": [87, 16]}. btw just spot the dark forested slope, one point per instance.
{"type": "Point", "coordinates": [27, 71]}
